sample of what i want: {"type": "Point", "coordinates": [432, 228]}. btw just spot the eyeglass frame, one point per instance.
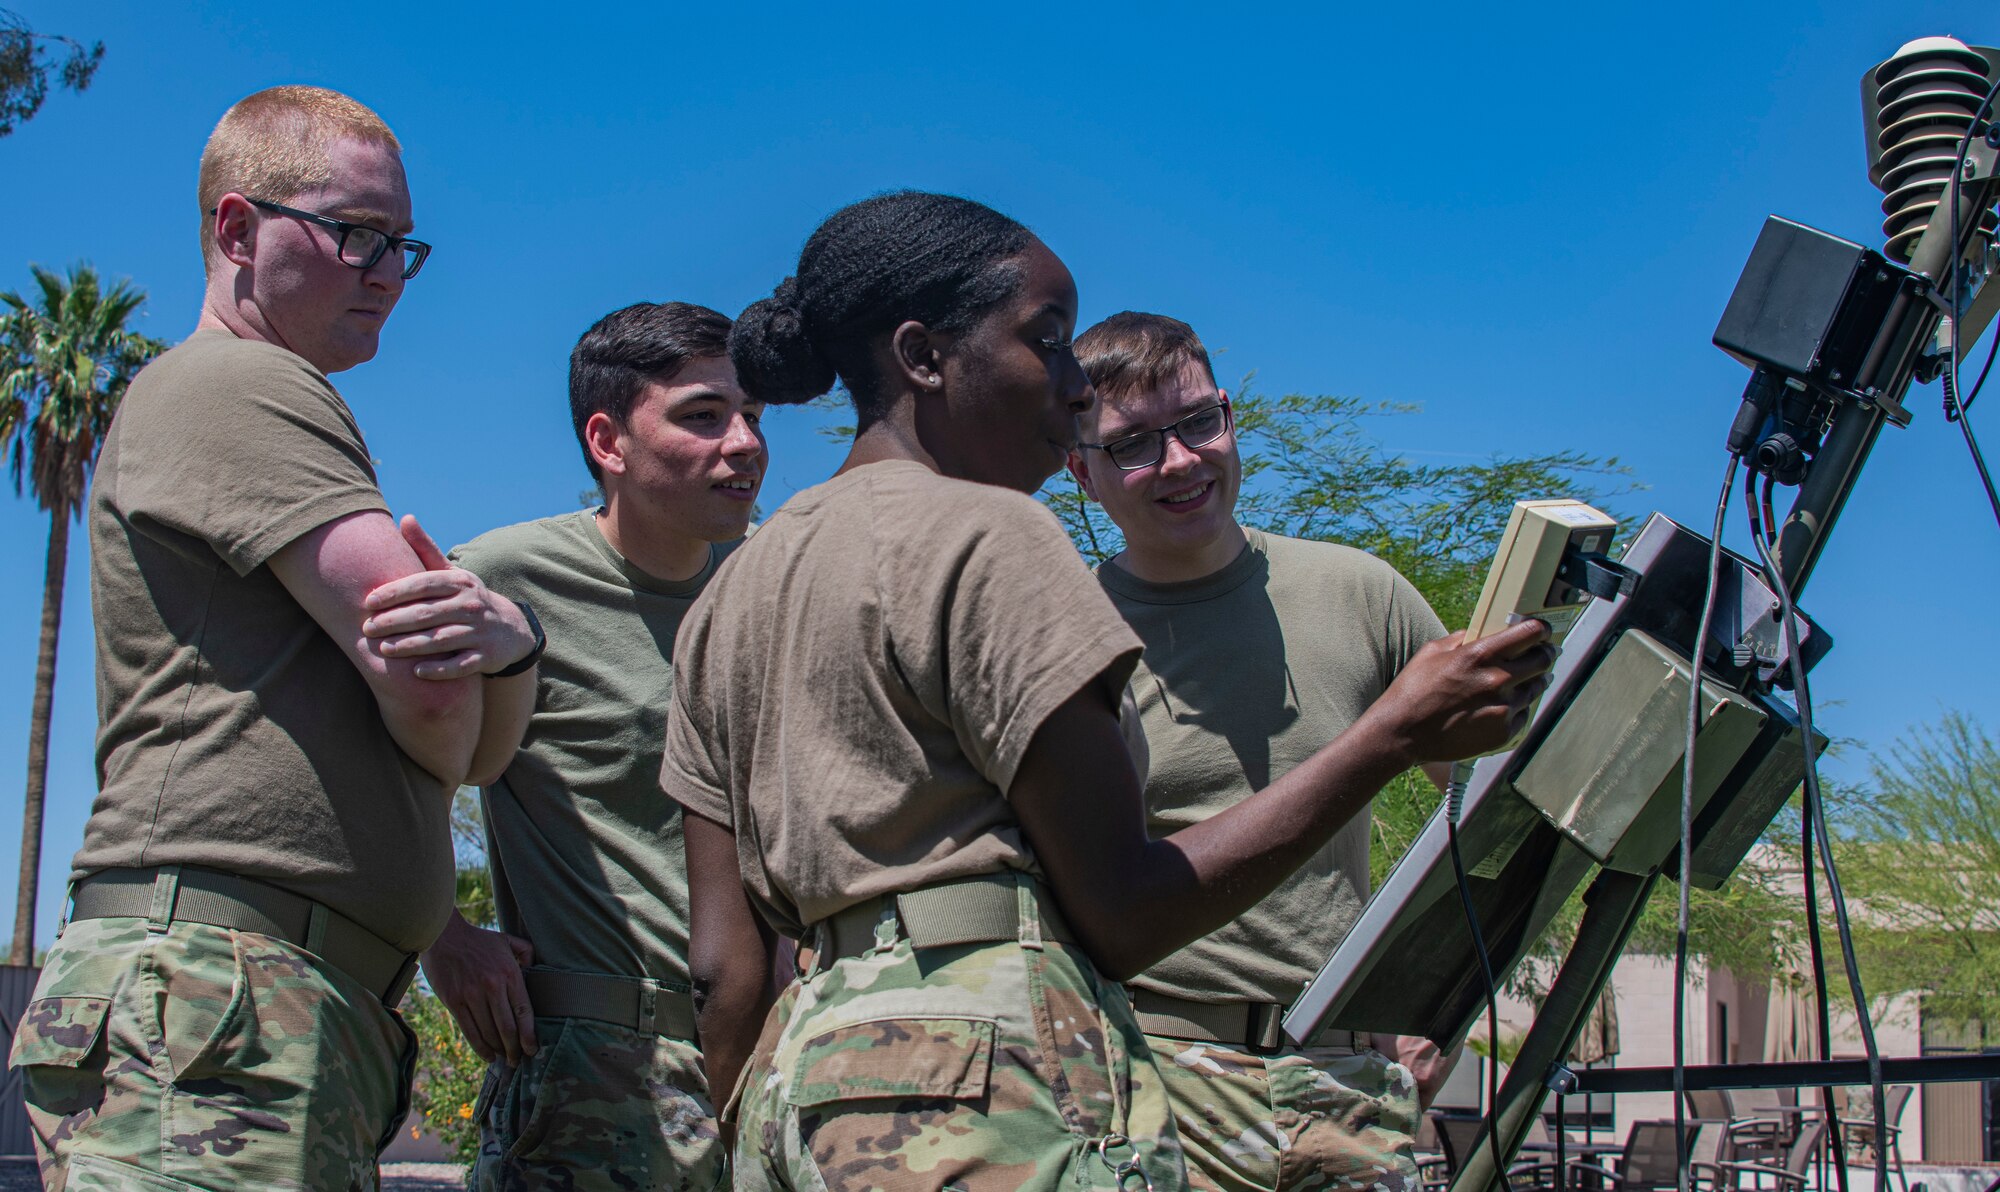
{"type": "Point", "coordinates": [346, 228]}
{"type": "Point", "coordinates": [1160, 434]}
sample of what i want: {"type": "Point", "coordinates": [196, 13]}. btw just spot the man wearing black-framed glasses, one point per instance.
{"type": "Point", "coordinates": [1260, 649]}
{"type": "Point", "coordinates": [291, 689]}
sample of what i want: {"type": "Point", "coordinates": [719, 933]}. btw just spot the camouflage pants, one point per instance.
{"type": "Point", "coordinates": [986, 1066]}
{"type": "Point", "coordinates": [598, 1107]}
{"type": "Point", "coordinates": [199, 1057]}
{"type": "Point", "coordinates": [1317, 1118]}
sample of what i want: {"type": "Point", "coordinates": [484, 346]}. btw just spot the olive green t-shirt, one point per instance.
{"type": "Point", "coordinates": [1247, 673]}
{"type": "Point", "coordinates": [232, 732]}
{"type": "Point", "coordinates": [855, 691]}
{"type": "Point", "coordinates": [586, 851]}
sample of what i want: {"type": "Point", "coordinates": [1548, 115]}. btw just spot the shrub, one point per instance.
{"type": "Point", "coordinates": [449, 1074]}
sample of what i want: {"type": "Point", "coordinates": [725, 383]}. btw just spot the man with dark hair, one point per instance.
{"type": "Point", "coordinates": [581, 1000]}
{"type": "Point", "coordinates": [1259, 650]}
{"type": "Point", "coordinates": [290, 687]}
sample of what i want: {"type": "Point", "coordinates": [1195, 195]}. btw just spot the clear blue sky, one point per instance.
{"type": "Point", "coordinates": [1525, 218]}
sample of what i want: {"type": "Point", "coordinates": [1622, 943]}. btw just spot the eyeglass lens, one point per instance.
{"type": "Point", "coordinates": [1144, 450]}
{"type": "Point", "coordinates": [361, 247]}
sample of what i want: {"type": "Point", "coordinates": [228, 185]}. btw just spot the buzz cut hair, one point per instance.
{"type": "Point", "coordinates": [1134, 352]}
{"type": "Point", "coordinates": [274, 145]}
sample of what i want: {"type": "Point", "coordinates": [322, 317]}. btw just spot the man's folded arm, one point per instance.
{"type": "Point", "coordinates": [329, 570]}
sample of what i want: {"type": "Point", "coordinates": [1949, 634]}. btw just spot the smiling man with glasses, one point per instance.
{"type": "Point", "coordinates": [1259, 650]}
{"type": "Point", "coordinates": [291, 689]}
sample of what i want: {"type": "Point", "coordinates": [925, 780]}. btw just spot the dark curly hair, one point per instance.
{"type": "Point", "coordinates": [646, 341]}
{"type": "Point", "coordinates": [937, 259]}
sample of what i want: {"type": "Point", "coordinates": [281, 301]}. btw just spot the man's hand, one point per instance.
{"type": "Point", "coordinates": [1457, 699]}
{"type": "Point", "coordinates": [444, 617]}
{"type": "Point", "coordinates": [478, 974]}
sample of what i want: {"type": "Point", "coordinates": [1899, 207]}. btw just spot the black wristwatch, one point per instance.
{"type": "Point", "coordinates": [520, 665]}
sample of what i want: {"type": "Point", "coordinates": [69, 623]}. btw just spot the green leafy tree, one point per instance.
{"type": "Point", "coordinates": [26, 65]}
{"type": "Point", "coordinates": [66, 358]}
{"type": "Point", "coordinates": [1921, 866]}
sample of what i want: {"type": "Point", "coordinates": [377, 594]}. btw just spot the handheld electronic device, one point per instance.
{"type": "Point", "coordinates": [1551, 561]}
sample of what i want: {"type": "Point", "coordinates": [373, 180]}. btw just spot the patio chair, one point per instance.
{"type": "Point", "coordinates": [1710, 1105]}
{"type": "Point", "coordinates": [1861, 1135]}
{"type": "Point", "coordinates": [1737, 1136]}
{"type": "Point", "coordinates": [1791, 1176]}
{"type": "Point", "coordinates": [1457, 1134]}
{"type": "Point", "coordinates": [1649, 1162]}
{"type": "Point", "coordinates": [1757, 1133]}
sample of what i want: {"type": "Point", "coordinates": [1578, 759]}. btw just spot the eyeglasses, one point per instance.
{"type": "Point", "coordinates": [1145, 448]}
{"type": "Point", "coordinates": [360, 245]}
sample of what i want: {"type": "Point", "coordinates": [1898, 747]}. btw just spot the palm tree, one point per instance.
{"type": "Point", "coordinates": [65, 361]}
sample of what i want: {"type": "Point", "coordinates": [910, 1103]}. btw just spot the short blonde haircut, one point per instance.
{"type": "Point", "coordinates": [273, 146]}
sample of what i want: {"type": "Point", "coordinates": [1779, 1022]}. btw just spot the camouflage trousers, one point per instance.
{"type": "Point", "coordinates": [598, 1107]}
{"type": "Point", "coordinates": [200, 1057]}
{"type": "Point", "coordinates": [983, 1066]}
{"type": "Point", "coordinates": [1314, 1118]}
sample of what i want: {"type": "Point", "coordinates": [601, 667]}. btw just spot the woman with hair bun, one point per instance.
{"type": "Point", "coordinates": [895, 732]}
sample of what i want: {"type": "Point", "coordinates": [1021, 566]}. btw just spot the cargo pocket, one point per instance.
{"type": "Point", "coordinates": [533, 1097]}
{"type": "Point", "coordinates": [95, 1173]}
{"type": "Point", "coordinates": [895, 1103]}
{"type": "Point", "coordinates": [899, 1057]}
{"type": "Point", "coordinates": [59, 1032]}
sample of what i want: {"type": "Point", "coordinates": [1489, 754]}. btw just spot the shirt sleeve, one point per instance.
{"type": "Point", "coordinates": [247, 455]}
{"type": "Point", "coordinates": [1021, 627]}
{"type": "Point", "coordinates": [693, 771]}
{"type": "Point", "coordinates": [1412, 625]}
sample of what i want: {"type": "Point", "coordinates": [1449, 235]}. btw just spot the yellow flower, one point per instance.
{"type": "Point", "coordinates": [465, 1111]}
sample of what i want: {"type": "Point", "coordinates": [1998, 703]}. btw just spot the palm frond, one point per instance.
{"type": "Point", "coordinates": [66, 359]}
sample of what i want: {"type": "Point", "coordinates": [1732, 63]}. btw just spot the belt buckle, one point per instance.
{"type": "Point", "coordinates": [1266, 1033]}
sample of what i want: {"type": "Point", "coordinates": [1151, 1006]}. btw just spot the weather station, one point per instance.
{"type": "Point", "coordinates": [1678, 722]}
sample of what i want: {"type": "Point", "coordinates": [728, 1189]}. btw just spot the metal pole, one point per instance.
{"type": "Point", "coordinates": [1825, 491]}
{"type": "Point", "coordinates": [1611, 908]}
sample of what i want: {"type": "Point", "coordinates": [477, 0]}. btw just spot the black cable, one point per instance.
{"type": "Point", "coordinates": [1992, 347]}
{"type": "Point", "coordinates": [1965, 425]}
{"type": "Point", "coordinates": [1696, 657]}
{"type": "Point", "coordinates": [1954, 410]}
{"type": "Point", "coordinates": [1454, 806]}
{"type": "Point", "coordinates": [1764, 532]}
{"type": "Point", "coordinates": [1816, 829]}
{"type": "Point", "coordinates": [1951, 267]}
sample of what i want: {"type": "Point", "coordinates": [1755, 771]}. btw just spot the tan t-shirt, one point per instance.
{"type": "Point", "coordinates": [232, 731]}
{"type": "Point", "coordinates": [856, 688]}
{"type": "Point", "coordinates": [1247, 673]}
{"type": "Point", "coordinates": [587, 856]}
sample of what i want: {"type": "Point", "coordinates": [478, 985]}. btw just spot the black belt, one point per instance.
{"type": "Point", "coordinates": [638, 1004]}
{"type": "Point", "coordinates": [184, 894]}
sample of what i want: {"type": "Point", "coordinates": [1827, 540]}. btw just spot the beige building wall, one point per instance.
{"type": "Point", "coordinates": [1726, 1023]}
